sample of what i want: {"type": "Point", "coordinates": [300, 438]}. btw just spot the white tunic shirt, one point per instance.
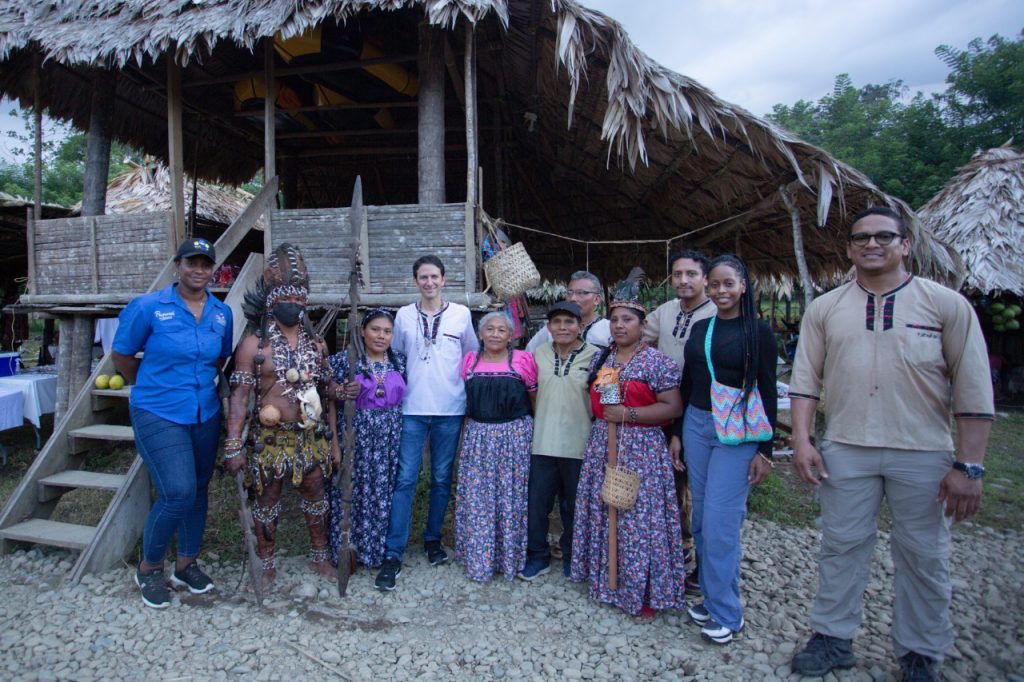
{"type": "Point", "coordinates": [434, 387]}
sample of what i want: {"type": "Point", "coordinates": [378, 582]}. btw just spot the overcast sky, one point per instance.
{"type": "Point", "coordinates": [765, 52]}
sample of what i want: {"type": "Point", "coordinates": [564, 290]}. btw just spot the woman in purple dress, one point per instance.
{"type": "Point", "coordinates": [377, 388]}
{"type": "Point", "coordinates": [650, 550]}
{"type": "Point", "coordinates": [494, 462]}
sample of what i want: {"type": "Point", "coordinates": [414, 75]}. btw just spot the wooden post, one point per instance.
{"type": "Point", "coordinates": [67, 333]}
{"type": "Point", "coordinates": [269, 122]}
{"type": "Point", "coordinates": [30, 245]}
{"type": "Point", "coordinates": [37, 147]}
{"type": "Point", "coordinates": [81, 355]}
{"type": "Point", "coordinates": [472, 162]}
{"type": "Point", "coordinates": [175, 150]}
{"type": "Point", "coordinates": [798, 246]}
{"type": "Point", "coordinates": [97, 154]}
{"type": "Point", "coordinates": [431, 115]}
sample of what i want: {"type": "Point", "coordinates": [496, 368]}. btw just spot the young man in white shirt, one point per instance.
{"type": "Point", "coordinates": [434, 334]}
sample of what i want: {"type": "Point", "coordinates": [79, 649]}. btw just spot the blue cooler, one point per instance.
{"type": "Point", "coordinates": [9, 364]}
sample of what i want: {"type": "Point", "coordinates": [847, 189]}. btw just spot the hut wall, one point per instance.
{"type": "Point", "coordinates": [396, 235]}
{"type": "Point", "coordinates": [100, 254]}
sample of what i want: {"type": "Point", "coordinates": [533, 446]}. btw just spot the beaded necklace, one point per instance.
{"type": "Point", "coordinates": [683, 319]}
{"type": "Point", "coordinates": [296, 369]}
{"type": "Point", "coordinates": [379, 369]}
{"type": "Point", "coordinates": [568, 363]}
{"type": "Point", "coordinates": [430, 331]}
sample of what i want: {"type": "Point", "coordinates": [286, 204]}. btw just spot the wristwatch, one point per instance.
{"type": "Point", "coordinates": [971, 471]}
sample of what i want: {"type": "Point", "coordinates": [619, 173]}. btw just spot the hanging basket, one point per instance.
{"type": "Point", "coordinates": [620, 487]}
{"type": "Point", "coordinates": [510, 272]}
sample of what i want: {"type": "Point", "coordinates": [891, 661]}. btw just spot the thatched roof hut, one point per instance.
{"type": "Point", "coordinates": [146, 187]}
{"type": "Point", "coordinates": [980, 213]}
{"type": "Point", "coordinates": [581, 135]}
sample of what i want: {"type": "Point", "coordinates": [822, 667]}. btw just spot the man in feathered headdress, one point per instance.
{"type": "Point", "coordinates": [290, 432]}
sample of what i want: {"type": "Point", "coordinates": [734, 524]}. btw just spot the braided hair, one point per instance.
{"type": "Point", "coordinates": [749, 320]}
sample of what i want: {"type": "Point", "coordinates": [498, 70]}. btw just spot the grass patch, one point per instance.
{"type": "Point", "coordinates": [1004, 475]}
{"type": "Point", "coordinates": [783, 498]}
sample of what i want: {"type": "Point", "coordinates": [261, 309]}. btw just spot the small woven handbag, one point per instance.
{"type": "Point", "coordinates": [734, 422]}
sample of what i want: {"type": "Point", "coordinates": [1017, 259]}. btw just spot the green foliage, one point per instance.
{"type": "Point", "coordinates": [910, 147]}
{"type": "Point", "coordinates": [63, 164]}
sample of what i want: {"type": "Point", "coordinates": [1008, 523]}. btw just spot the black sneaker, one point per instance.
{"type": "Point", "coordinates": [822, 654]}
{"type": "Point", "coordinates": [435, 552]}
{"type": "Point", "coordinates": [919, 668]}
{"type": "Point", "coordinates": [155, 594]}
{"type": "Point", "coordinates": [389, 572]}
{"type": "Point", "coordinates": [192, 578]}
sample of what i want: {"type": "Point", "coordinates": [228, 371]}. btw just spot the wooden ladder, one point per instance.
{"type": "Point", "coordinates": [87, 426]}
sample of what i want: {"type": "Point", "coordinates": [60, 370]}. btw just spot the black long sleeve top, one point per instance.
{"type": "Point", "coordinates": [727, 356]}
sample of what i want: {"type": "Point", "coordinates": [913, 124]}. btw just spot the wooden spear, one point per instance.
{"type": "Point", "coordinates": [346, 552]}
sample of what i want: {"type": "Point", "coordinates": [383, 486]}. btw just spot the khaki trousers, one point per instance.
{"type": "Point", "coordinates": [859, 477]}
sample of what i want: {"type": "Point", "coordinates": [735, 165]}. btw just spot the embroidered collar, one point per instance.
{"type": "Point", "coordinates": [685, 317]}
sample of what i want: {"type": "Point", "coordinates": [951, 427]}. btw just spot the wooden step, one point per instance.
{"type": "Point", "coordinates": [113, 392]}
{"type": "Point", "coordinates": [107, 398]}
{"type": "Point", "coordinates": [56, 485]}
{"type": "Point", "coordinates": [56, 533]}
{"type": "Point", "coordinates": [79, 439]}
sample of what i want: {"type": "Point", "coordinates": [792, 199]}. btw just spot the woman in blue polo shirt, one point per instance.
{"type": "Point", "coordinates": [185, 335]}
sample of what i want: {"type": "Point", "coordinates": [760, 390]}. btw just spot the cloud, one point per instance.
{"type": "Point", "coordinates": [779, 51]}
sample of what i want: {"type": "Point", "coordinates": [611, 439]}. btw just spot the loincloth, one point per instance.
{"type": "Point", "coordinates": [285, 449]}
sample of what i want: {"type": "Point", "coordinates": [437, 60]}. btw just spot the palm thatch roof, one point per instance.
{"type": "Point", "coordinates": [980, 213]}
{"type": "Point", "coordinates": [146, 187]}
{"type": "Point", "coordinates": [582, 135]}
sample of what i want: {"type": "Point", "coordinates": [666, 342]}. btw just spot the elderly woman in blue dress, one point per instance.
{"type": "Point", "coordinates": [494, 462]}
{"type": "Point", "coordinates": [377, 387]}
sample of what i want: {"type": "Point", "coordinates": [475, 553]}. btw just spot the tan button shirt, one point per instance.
{"type": "Point", "coordinates": [562, 425]}
{"type": "Point", "coordinates": [669, 326]}
{"type": "Point", "coordinates": [893, 366]}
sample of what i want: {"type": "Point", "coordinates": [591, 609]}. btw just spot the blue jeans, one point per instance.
{"type": "Point", "coordinates": [444, 439]}
{"type": "Point", "coordinates": [180, 459]}
{"type": "Point", "coordinates": [718, 481]}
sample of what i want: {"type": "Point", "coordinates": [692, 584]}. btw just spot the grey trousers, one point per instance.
{"type": "Point", "coordinates": [909, 480]}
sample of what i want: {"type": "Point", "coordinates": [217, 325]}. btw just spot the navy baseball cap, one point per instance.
{"type": "Point", "coordinates": [196, 247]}
{"type": "Point", "coordinates": [567, 307]}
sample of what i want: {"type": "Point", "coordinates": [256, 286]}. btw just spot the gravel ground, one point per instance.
{"type": "Point", "coordinates": [439, 625]}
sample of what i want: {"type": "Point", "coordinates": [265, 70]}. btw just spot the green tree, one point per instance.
{"type": "Point", "coordinates": [985, 97]}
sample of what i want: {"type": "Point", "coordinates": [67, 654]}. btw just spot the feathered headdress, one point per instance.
{"type": "Point", "coordinates": [284, 275]}
{"type": "Point", "coordinates": [626, 294]}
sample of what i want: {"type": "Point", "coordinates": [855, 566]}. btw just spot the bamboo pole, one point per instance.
{"type": "Point", "coordinates": [175, 151]}
{"type": "Point", "coordinates": [798, 246]}
{"type": "Point", "coordinates": [269, 123]}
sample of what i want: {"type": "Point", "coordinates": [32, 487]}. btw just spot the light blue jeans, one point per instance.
{"type": "Point", "coordinates": [444, 439]}
{"type": "Point", "coordinates": [180, 459]}
{"type": "Point", "coordinates": [718, 481]}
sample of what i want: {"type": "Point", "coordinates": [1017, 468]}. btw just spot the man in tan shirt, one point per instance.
{"type": "Point", "coordinates": [668, 327]}
{"type": "Point", "coordinates": [888, 356]}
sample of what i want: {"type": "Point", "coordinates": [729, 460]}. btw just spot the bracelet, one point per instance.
{"type": "Point", "coordinates": [232, 443]}
{"type": "Point", "coordinates": [632, 415]}
{"type": "Point", "coordinates": [767, 459]}
{"type": "Point", "coordinates": [231, 454]}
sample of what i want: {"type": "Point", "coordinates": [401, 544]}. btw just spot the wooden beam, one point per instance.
{"type": "Point", "coordinates": [175, 164]}
{"type": "Point", "coordinates": [349, 106]}
{"type": "Point", "coordinates": [304, 70]}
{"type": "Point", "coordinates": [453, 70]}
{"type": "Point", "coordinates": [472, 157]}
{"type": "Point", "coordinates": [798, 245]}
{"type": "Point", "coordinates": [37, 142]}
{"type": "Point", "coordinates": [97, 154]}
{"type": "Point", "coordinates": [269, 122]}
{"type": "Point", "coordinates": [430, 165]}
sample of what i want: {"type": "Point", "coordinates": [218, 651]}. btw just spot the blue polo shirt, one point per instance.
{"type": "Point", "coordinates": [177, 373]}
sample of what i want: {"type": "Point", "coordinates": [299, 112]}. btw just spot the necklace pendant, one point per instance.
{"type": "Point", "coordinates": [291, 375]}
{"type": "Point", "coordinates": [304, 375]}
{"type": "Point", "coordinates": [379, 392]}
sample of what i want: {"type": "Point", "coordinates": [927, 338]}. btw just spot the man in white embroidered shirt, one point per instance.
{"type": "Point", "coordinates": [434, 334]}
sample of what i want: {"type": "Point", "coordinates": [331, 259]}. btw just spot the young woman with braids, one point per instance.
{"type": "Point", "coordinates": [494, 462]}
{"type": "Point", "coordinates": [743, 354]}
{"type": "Point", "coordinates": [378, 388]}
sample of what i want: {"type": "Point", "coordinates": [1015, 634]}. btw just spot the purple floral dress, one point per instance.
{"type": "Point", "coordinates": [494, 466]}
{"type": "Point", "coordinates": [378, 424]}
{"type": "Point", "coordinates": [651, 568]}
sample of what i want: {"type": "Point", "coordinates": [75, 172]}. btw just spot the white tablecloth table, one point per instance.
{"type": "Point", "coordinates": [11, 414]}
{"type": "Point", "coordinates": [39, 392]}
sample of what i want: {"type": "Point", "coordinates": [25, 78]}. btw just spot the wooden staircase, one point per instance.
{"type": "Point", "coordinates": [90, 424]}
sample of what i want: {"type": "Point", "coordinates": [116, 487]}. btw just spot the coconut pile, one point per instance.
{"type": "Point", "coordinates": [438, 625]}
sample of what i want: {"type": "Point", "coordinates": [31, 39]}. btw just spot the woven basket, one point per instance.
{"type": "Point", "coordinates": [510, 272]}
{"type": "Point", "coordinates": [620, 487]}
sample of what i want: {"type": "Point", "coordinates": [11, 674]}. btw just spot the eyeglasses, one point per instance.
{"type": "Point", "coordinates": [576, 293]}
{"type": "Point", "coordinates": [881, 238]}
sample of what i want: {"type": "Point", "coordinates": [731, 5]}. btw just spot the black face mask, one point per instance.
{"type": "Point", "coordinates": [289, 314]}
